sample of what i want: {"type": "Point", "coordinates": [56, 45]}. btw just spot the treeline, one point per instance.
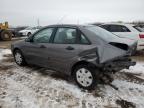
{"type": "Point", "coordinates": [134, 22]}
{"type": "Point", "coordinates": [138, 22]}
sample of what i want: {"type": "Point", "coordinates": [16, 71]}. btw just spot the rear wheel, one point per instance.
{"type": "Point", "coordinates": [28, 34]}
{"type": "Point", "coordinates": [85, 77]}
{"type": "Point", "coordinates": [6, 35]}
{"type": "Point", "coordinates": [19, 58]}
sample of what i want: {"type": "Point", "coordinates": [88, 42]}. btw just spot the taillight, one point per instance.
{"type": "Point", "coordinates": [141, 35]}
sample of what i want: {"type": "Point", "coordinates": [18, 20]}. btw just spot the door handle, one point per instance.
{"type": "Point", "coordinates": [69, 48]}
{"type": "Point", "coordinates": [42, 46]}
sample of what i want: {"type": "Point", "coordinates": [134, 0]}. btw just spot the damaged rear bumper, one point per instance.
{"type": "Point", "coordinates": [108, 69]}
{"type": "Point", "coordinates": [118, 64]}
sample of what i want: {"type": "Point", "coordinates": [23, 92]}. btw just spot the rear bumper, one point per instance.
{"type": "Point", "coordinates": [119, 64]}
{"type": "Point", "coordinates": [140, 45]}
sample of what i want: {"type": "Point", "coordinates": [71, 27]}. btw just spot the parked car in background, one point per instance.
{"type": "Point", "coordinates": [15, 30]}
{"type": "Point", "coordinates": [141, 25]}
{"type": "Point", "coordinates": [87, 53]}
{"type": "Point", "coordinates": [28, 31]}
{"type": "Point", "coordinates": [127, 31]}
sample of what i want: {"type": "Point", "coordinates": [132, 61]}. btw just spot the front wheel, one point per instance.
{"type": "Point", "coordinates": [19, 58]}
{"type": "Point", "coordinates": [6, 35]}
{"type": "Point", "coordinates": [85, 77]}
{"type": "Point", "coordinates": [28, 34]}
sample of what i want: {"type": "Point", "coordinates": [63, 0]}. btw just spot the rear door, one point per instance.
{"type": "Point", "coordinates": [64, 48]}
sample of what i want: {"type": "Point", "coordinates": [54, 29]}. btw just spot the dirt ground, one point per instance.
{"type": "Point", "coordinates": [7, 44]}
{"type": "Point", "coordinates": [34, 87]}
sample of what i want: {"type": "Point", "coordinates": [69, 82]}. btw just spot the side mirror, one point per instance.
{"type": "Point", "coordinates": [28, 40]}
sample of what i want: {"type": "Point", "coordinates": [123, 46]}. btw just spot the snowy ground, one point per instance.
{"type": "Point", "coordinates": [33, 87]}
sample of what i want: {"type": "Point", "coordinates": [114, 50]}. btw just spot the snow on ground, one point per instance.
{"type": "Point", "coordinates": [138, 68]}
{"type": "Point", "coordinates": [3, 52]}
{"type": "Point", "coordinates": [33, 87]}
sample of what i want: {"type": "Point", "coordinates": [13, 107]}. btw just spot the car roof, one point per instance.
{"type": "Point", "coordinates": [69, 25]}
{"type": "Point", "coordinates": [125, 24]}
{"type": "Point", "coordinates": [129, 26]}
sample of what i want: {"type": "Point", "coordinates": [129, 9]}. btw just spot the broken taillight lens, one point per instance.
{"type": "Point", "coordinates": [141, 35]}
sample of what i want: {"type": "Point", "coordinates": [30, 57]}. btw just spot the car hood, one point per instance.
{"type": "Point", "coordinates": [19, 42]}
{"type": "Point", "coordinates": [22, 31]}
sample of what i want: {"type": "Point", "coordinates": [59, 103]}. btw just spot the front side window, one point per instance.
{"type": "Point", "coordinates": [43, 36]}
{"type": "Point", "coordinates": [65, 36]}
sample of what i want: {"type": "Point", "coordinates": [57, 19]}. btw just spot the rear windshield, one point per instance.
{"type": "Point", "coordinates": [139, 28]}
{"type": "Point", "coordinates": [102, 33]}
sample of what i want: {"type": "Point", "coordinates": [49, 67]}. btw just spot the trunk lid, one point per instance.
{"type": "Point", "coordinates": [115, 49]}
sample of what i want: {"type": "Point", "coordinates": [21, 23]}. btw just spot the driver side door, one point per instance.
{"type": "Point", "coordinates": [36, 49]}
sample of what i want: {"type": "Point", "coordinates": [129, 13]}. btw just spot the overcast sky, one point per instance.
{"type": "Point", "coordinates": [26, 12]}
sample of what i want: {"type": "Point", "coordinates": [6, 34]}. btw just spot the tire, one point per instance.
{"type": "Point", "coordinates": [6, 35]}
{"type": "Point", "coordinates": [28, 34]}
{"type": "Point", "coordinates": [19, 58]}
{"type": "Point", "coordinates": [85, 77]}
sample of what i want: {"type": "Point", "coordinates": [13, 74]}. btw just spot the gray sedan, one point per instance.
{"type": "Point", "coordinates": [87, 53]}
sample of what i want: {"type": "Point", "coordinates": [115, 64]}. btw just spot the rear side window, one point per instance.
{"type": "Point", "coordinates": [83, 39]}
{"type": "Point", "coordinates": [118, 28]}
{"type": "Point", "coordinates": [138, 28]}
{"type": "Point", "coordinates": [102, 33]}
{"type": "Point", "coordinates": [105, 27]}
{"type": "Point", "coordinates": [65, 36]}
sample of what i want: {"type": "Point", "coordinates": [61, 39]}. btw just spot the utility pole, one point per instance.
{"type": "Point", "coordinates": [38, 23]}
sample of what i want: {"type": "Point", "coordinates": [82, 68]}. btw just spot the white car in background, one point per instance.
{"type": "Point", "coordinates": [28, 31]}
{"type": "Point", "coordinates": [127, 31]}
{"type": "Point", "coordinates": [141, 25]}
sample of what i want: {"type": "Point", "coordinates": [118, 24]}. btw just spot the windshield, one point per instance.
{"type": "Point", "coordinates": [28, 28]}
{"type": "Point", "coordinates": [102, 33]}
{"type": "Point", "coordinates": [139, 28]}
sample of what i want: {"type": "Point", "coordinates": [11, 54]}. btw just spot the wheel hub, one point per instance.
{"type": "Point", "coordinates": [6, 36]}
{"type": "Point", "coordinates": [84, 77]}
{"type": "Point", "coordinates": [18, 58]}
